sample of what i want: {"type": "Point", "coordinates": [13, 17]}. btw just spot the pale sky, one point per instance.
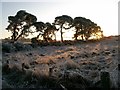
{"type": "Point", "coordinates": [102, 12]}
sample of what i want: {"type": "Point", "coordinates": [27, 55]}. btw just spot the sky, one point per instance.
{"type": "Point", "coordinates": [102, 12]}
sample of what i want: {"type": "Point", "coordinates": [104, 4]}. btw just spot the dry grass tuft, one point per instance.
{"type": "Point", "coordinates": [70, 64]}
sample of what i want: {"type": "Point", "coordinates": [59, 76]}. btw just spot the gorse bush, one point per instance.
{"type": "Point", "coordinates": [12, 47]}
{"type": "Point", "coordinates": [19, 46]}
{"type": "Point", "coordinates": [8, 47]}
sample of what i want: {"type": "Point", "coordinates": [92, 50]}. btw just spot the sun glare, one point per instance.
{"type": "Point", "coordinates": [97, 36]}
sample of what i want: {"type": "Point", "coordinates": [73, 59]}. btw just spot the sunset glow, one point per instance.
{"type": "Point", "coordinates": [105, 16]}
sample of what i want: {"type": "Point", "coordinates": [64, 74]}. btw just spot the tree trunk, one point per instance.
{"type": "Point", "coordinates": [82, 32]}
{"type": "Point", "coordinates": [76, 35]}
{"type": "Point", "coordinates": [54, 35]}
{"type": "Point", "coordinates": [61, 33]}
{"type": "Point", "coordinates": [19, 36]}
{"type": "Point", "coordinates": [82, 37]}
{"type": "Point", "coordinates": [38, 35]}
{"type": "Point", "coordinates": [14, 33]}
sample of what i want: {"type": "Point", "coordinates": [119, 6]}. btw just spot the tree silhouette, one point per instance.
{"type": "Point", "coordinates": [97, 32]}
{"type": "Point", "coordinates": [40, 27]}
{"type": "Point", "coordinates": [45, 30]}
{"type": "Point", "coordinates": [49, 32]}
{"type": "Point", "coordinates": [20, 24]}
{"type": "Point", "coordinates": [63, 21]}
{"type": "Point", "coordinates": [78, 25]}
{"type": "Point", "coordinates": [85, 28]}
{"type": "Point", "coordinates": [88, 28]}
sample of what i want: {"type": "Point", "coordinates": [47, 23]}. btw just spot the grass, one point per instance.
{"type": "Point", "coordinates": [69, 63]}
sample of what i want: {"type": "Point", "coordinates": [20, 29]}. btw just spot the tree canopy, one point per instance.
{"type": "Point", "coordinates": [85, 28]}
{"type": "Point", "coordinates": [62, 21]}
{"type": "Point", "coordinates": [19, 25]}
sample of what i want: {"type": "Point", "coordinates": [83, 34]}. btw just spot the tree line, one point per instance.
{"type": "Point", "coordinates": [20, 26]}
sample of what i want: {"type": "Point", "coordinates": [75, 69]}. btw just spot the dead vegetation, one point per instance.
{"type": "Point", "coordinates": [64, 67]}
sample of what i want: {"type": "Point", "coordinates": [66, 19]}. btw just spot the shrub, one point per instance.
{"type": "Point", "coordinates": [27, 47]}
{"type": "Point", "coordinates": [20, 46]}
{"type": "Point", "coordinates": [71, 65]}
{"type": "Point", "coordinates": [8, 47]}
{"type": "Point", "coordinates": [34, 40]}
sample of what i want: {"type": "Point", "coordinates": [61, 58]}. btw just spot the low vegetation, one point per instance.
{"type": "Point", "coordinates": [66, 67]}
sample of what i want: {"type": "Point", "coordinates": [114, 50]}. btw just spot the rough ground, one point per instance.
{"type": "Point", "coordinates": [86, 59]}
